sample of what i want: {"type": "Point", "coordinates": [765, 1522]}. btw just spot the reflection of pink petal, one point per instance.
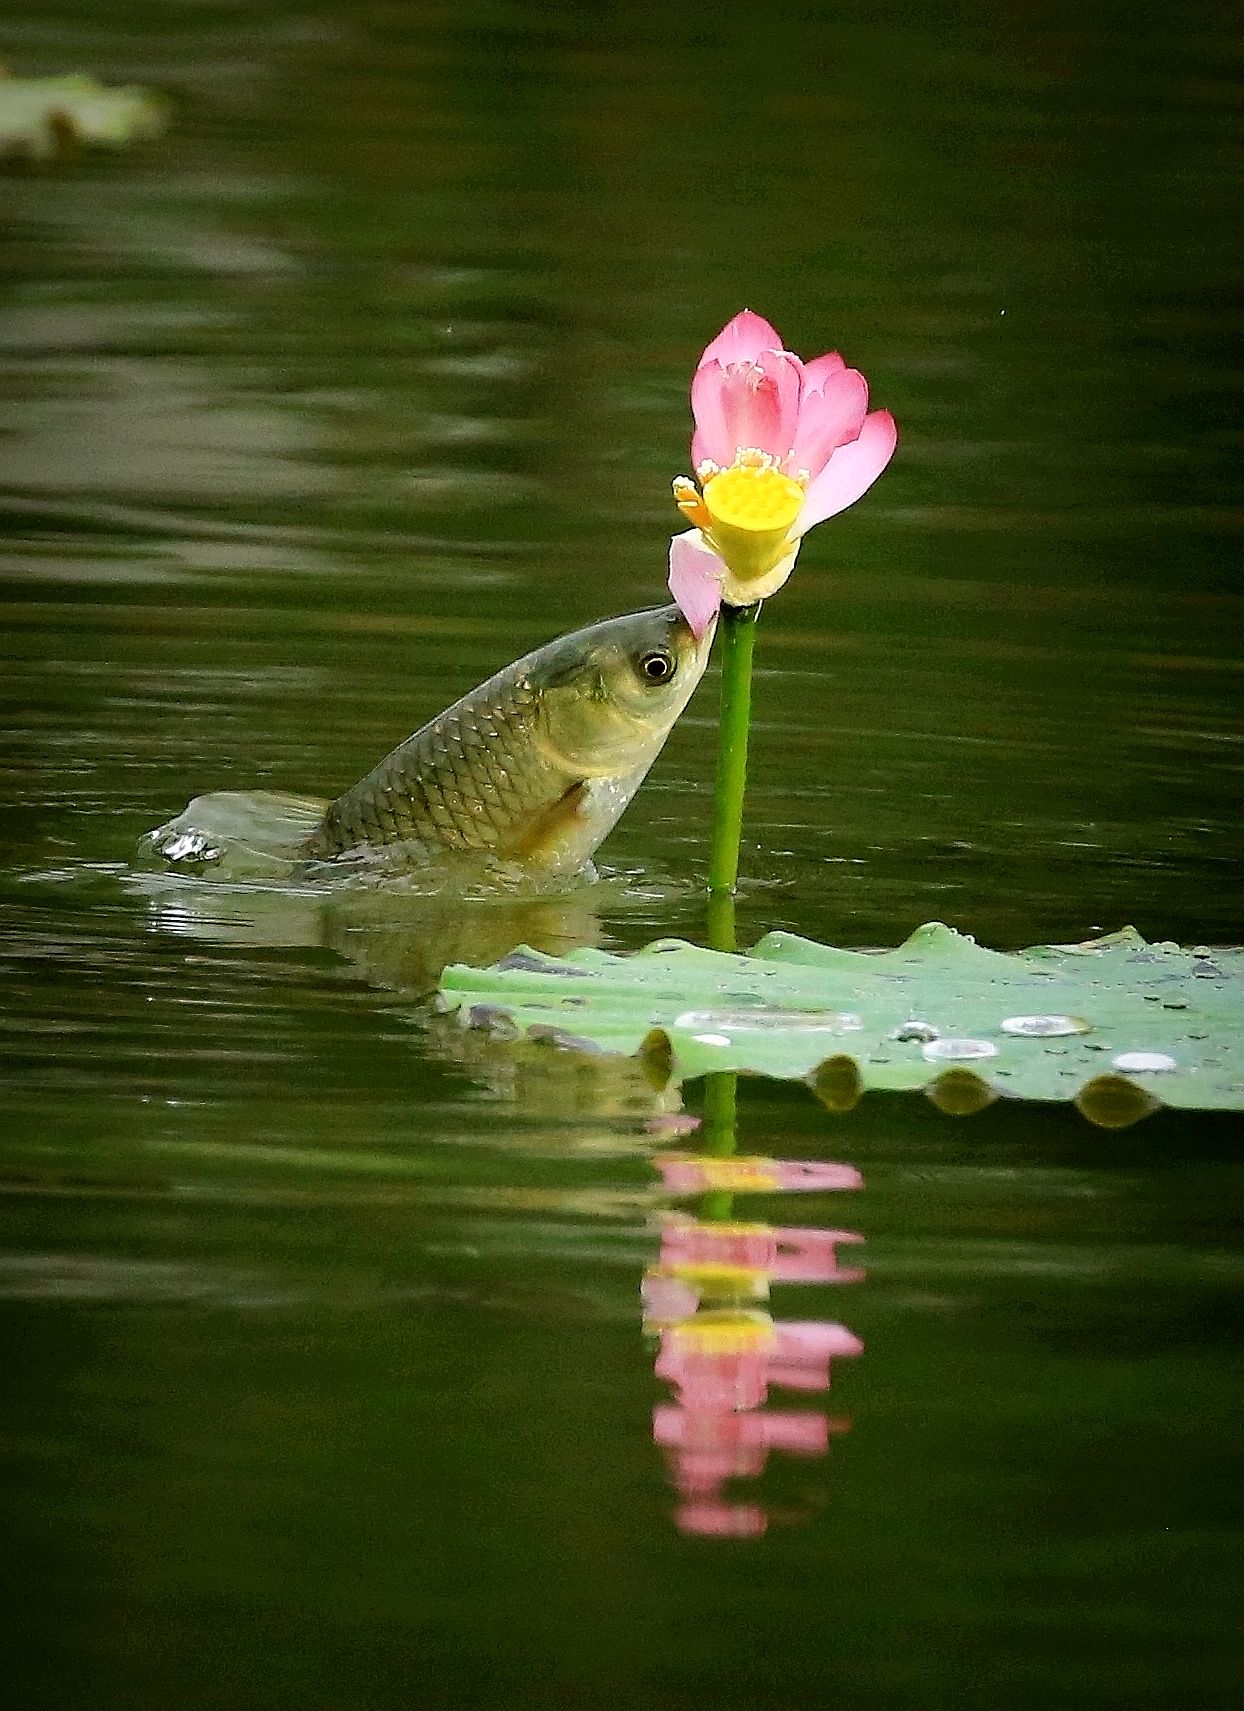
{"type": "Point", "coordinates": [716, 1366]}
{"type": "Point", "coordinates": [717, 1381]}
{"type": "Point", "coordinates": [850, 472]}
{"type": "Point", "coordinates": [705, 1470]}
{"type": "Point", "coordinates": [713, 1244]}
{"type": "Point", "coordinates": [806, 1174]}
{"type": "Point", "coordinates": [787, 1255]}
{"type": "Point", "coordinates": [673, 1123]}
{"type": "Point", "coordinates": [743, 339]}
{"type": "Point", "coordinates": [805, 1433]}
{"type": "Point", "coordinates": [703, 1429]}
{"type": "Point", "coordinates": [814, 1340]}
{"type": "Point", "coordinates": [699, 1431]}
{"type": "Point", "coordinates": [796, 1376]}
{"type": "Point", "coordinates": [691, 1173]}
{"type": "Point", "coordinates": [721, 1520]}
{"type": "Point", "coordinates": [669, 1423]}
{"type": "Point", "coordinates": [810, 1256]}
{"type": "Point", "coordinates": [695, 580]}
{"type": "Point", "coordinates": [680, 1175]}
{"type": "Point", "coordinates": [803, 1349]}
{"type": "Point", "coordinates": [667, 1299]}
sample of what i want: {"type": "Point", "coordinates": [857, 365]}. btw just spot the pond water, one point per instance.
{"type": "Point", "coordinates": [328, 1380]}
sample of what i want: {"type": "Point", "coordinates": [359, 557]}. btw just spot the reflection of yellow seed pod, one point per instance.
{"type": "Point", "coordinates": [720, 1229]}
{"type": "Point", "coordinates": [740, 1174]}
{"type": "Point", "coordinates": [724, 1333]}
{"type": "Point", "coordinates": [722, 1282]}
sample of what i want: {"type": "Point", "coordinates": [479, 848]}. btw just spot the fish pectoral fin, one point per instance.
{"type": "Point", "coordinates": [555, 822]}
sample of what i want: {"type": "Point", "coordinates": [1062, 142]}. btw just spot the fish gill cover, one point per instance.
{"type": "Point", "coordinates": [1118, 1025]}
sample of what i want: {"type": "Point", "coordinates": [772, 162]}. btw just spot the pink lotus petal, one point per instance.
{"type": "Point", "coordinates": [743, 339]}
{"type": "Point", "coordinates": [712, 434]}
{"type": "Point", "coordinates": [829, 419]}
{"type": "Point", "coordinates": [818, 371]}
{"type": "Point", "coordinates": [759, 402]}
{"type": "Point", "coordinates": [695, 580]}
{"type": "Point", "coordinates": [851, 471]}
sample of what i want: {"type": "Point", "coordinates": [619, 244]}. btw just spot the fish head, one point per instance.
{"type": "Point", "coordinates": [609, 695]}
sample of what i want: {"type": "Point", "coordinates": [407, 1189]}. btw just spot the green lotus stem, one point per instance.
{"type": "Point", "coordinates": [738, 638]}
{"type": "Point", "coordinates": [721, 933]}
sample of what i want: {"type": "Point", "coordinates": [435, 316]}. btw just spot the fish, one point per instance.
{"type": "Point", "coordinates": [535, 766]}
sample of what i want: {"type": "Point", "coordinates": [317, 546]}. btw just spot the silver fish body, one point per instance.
{"type": "Point", "coordinates": [536, 765]}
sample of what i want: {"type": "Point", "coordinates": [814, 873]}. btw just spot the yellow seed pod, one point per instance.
{"type": "Point", "coordinates": [752, 511]}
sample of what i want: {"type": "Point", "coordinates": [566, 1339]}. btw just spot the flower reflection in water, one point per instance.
{"type": "Point", "coordinates": [720, 1351]}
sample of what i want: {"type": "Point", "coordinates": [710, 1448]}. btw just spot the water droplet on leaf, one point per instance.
{"type": "Point", "coordinates": [1044, 1027]}
{"type": "Point", "coordinates": [769, 1019]}
{"type": "Point", "coordinates": [1141, 1062]}
{"type": "Point", "coordinates": [957, 1051]}
{"type": "Point", "coordinates": [913, 1030]}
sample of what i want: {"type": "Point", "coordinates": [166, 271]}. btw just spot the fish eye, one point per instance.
{"type": "Point", "coordinates": [657, 666]}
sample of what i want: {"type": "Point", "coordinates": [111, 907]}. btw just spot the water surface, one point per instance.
{"type": "Point", "coordinates": [328, 1379]}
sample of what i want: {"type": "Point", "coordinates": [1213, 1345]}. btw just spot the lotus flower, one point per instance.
{"type": "Point", "coordinates": [779, 446]}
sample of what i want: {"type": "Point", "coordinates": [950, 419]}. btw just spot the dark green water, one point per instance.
{"type": "Point", "coordinates": [325, 1377]}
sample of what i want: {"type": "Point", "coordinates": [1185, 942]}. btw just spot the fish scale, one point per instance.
{"type": "Point", "coordinates": [449, 786]}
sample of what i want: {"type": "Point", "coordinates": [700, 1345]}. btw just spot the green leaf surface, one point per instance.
{"type": "Point", "coordinates": [1116, 1024]}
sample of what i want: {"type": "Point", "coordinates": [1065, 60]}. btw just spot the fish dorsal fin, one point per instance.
{"type": "Point", "coordinates": [554, 823]}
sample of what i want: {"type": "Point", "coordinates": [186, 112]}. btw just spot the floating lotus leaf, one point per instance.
{"type": "Point", "coordinates": [1115, 1024]}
